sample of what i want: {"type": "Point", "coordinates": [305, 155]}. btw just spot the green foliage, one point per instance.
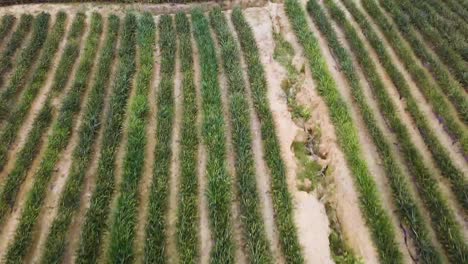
{"type": "Point", "coordinates": [282, 201]}
{"type": "Point", "coordinates": [82, 154]}
{"type": "Point", "coordinates": [219, 191]}
{"type": "Point", "coordinates": [441, 157]}
{"type": "Point", "coordinates": [155, 246]}
{"type": "Point", "coordinates": [122, 231]}
{"type": "Point", "coordinates": [405, 203]}
{"type": "Point", "coordinates": [97, 215]}
{"type": "Point", "coordinates": [188, 220]}
{"type": "Point", "coordinates": [442, 217]}
{"type": "Point", "coordinates": [377, 219]}
{"type": "Point", "coordinates": [70, 54]}
{"type": "Point", "coordinates": [18, 114]}
{"type": "Point", "coordinates": [451, 88]}
{"type": "Point", "coordinates": [15, 43]}
{"type": "Point", "coordinates": [41, 123]}
{"type": "Point", "coordinates": [25, 63]}
{"type": "Point", "coordinates": [57, 142]}
{"type": "Point", "coordinates": [255, 237]}
{"type": "Point", "coordinates": [6, 25]}
{"type": "Point", "coordinates": [453, 60]}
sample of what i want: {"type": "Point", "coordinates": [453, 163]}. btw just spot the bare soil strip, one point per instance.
{"type": "Point", "coordinates": [205, 233]}
{"type": "Point", "coordinates": [59, 179]}
{"type": "Point", "coordinates": [147, 174]}
{"type": "Point", "coordinates": [240, 251]}
{"type": "Point", "coordinates": [348, 209]}
{"type": "Point", "coordinates": [262, 173]}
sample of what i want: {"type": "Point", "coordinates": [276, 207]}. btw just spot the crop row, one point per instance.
{"type": "Point", "coordinates": [445, 13]}
{"type": "Point", "coordinates": [19, 113]}
{"type": "Point", "coordinates": [70, 54]}
{"type": "Point", "coordinates": [6, 25]}
{"type": "Point", "coordinates": [281, 197]}
{"type": "Point", "coordinates": [122, 231]}
{"type": "Point", "coordinates": [433, 95]}
{"type": "Point", "coordinates": [81, 157]}
{"type": "Point", "coordinates": [452, 59]}
{"type": "Point", "coordinates": [459, 8]}
{"type": "Point", "coordinates": [25, 64]}
{"type": "Point", "coordinates": [96, 217]}
{"type": "Point", "coordinates": [454, 34]}
{"type": "Point", "coordinates": [405, 203]}
{"type": "Point", "coordinates": [15, 42]}
{"type": "Point", "coordinates": [377, 219]}
{"type": "Point", "coordinates": [442, 217]}
{"type": "Point", "coordinates": [40, 124]}
{"type": "Point", "coordinates": [255, 237]}
{"type": "Point", "coordinates": [219, 190]}
{"type": "Point", "coordinates": [187, 215]}
{"type": "Point", "coordinates": [155, 247]}
{"type": "Point", "coordinates": [57, 142]}
{"type": "Point", "coordinates": [451, 88]}
{"type": "Point", "coordinates": [438, 151]}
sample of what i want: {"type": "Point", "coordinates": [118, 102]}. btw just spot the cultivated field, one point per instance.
{"type": "Point", "coordinates": [295, 131]}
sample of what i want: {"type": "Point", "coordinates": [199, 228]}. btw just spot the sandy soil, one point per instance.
{"type": "Point", "coordinates": [313, 238]}
{"type": "Point", "coordinates": [104, 8]}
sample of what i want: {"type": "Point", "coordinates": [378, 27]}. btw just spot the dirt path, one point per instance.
{"type": "Point", "coordinates": [313, 238]}
{"type": "Point", "coordinates": [147, 173]}
{"type": "Point", "coordinates": [157, 9]}
{"type": "Point", "coordinates": [205, 233]}
{"type": "Point", "coordinates": [412, 129]}
{"type": "Point", "coordinates": [237, 228]}
{"type": "Point", "coordinates": [261, 169]}
{"type": "Point", "coordinates": [59, 179]}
